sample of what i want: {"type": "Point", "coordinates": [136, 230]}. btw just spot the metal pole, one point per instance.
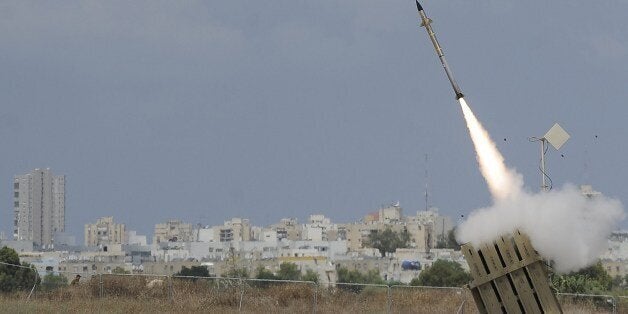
{"type": "Point", "coordinates": [100, 285]}
{"type": "Point", "coordinates": [464, 301]}
{"type": "Point", "coordinates": [614, 305]}
{"type": "Point", "coordinates": [170, 291]}
{"type": "Point", "coordinates": [542, 164]}
{"type": "Point", "coordinates": [241, 295]}
{"type": "Point", "coordinates": [315, 296]}
{"type": "Point", "coordinates": [388, 300]}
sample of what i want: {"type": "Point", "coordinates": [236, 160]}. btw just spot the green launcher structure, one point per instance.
{"type": "Point", "coordinates": [509, 276]}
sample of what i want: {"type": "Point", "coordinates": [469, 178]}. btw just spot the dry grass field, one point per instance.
{"type": "Point", "coordinates": [130, 294]}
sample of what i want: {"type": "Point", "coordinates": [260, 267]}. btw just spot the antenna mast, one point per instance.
{"type": "Point", "coordinates": [427, 204]}
{"type": "Point", "coordinates": [556, 136]}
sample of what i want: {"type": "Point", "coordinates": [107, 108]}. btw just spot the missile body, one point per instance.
{"type": "Point", "coordinates": [425, 21]}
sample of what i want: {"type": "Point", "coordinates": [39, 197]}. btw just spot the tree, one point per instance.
{"type": "Point", "coordinates": [194, 271]}
{"type": "Point", "coordinates": [592, 279]}
{"type": "Point", "coordinates": [263, 273]}
{"type": "Point", "coordinates": [310, 275]}
{"type": "Point", "coordinates": [52, 281]}
{"type": "Point", "coordinates": [388, 241]}
{"type": "Point", "coordinates": [449, 241]}
{"type": "Point", "coordinates": [442, 274]}
{"type": "Point", "coordinates": [13, 277]}
{"type": "Point", "coordinates": [120, 271]}
{"type": "Point", "coordinates": [288, 271]}
{"type": "Point", "coordinates": [237, 273]}
{"type": "Point", "coordinates": [354, 276]}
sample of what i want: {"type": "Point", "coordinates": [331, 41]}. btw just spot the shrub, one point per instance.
{"type": "Point", "coordinates": [442, 274]}
{"type": "Point", "coordinates": [52, 281]}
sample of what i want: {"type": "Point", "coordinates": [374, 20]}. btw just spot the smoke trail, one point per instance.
{"type": "Point", "coordinates": [501, 181]}
{"type": "Point", "coordinates": [563, 225]}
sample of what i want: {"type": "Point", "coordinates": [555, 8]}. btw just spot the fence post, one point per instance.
{"type": "Point", "coordinates": [100, 285]}
{"type": "Point", "coordinates": [241, 294]}
{"type": "Point", "coordinates": [315, 296]}
{"type": "Point", "coordinates": [614, 305]}
{"type": "Point", "coordinates": [464, 300]}
{"type": "Point", "coordinates": [170, 290]}
{"type": "Point", "coordinates": [388, 300]}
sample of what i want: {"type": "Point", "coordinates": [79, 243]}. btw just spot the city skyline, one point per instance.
{"type": "Point", "coordinates": [89, 234]}
{"type": "Point", "coordinates": [205, 111]}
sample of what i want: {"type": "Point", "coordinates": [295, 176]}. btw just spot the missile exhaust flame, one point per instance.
{"type": "Point", "coordinates": [502, 182]}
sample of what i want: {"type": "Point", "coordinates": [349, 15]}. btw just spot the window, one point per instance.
{"type": "Point", "coordinates": [16, 194]}
{"type": "Point", "coordinates": [16, 185]}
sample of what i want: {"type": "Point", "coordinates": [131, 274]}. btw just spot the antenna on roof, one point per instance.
{"type": "Point", "coordinates": [556, 136]}
{"type": "Point", "coordinates": [427, 204]}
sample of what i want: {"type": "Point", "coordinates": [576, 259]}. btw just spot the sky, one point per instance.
{"type": "Point", "coordinates": [207, 110]}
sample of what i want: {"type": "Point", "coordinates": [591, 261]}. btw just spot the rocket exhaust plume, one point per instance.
{"type": "Point", "coordinates": [564, 225]}
{"type": "Point", "coordinates": [502, 182]}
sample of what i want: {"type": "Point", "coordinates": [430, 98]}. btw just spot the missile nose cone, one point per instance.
{"type": "Point", "coordinates": [418, 6]}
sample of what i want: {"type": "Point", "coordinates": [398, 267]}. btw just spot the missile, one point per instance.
{"type": "Point", "coordinates": [425, 22]}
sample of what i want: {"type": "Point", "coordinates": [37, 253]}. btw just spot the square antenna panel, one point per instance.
{"type": "Point", "coordinates": [556, 136]}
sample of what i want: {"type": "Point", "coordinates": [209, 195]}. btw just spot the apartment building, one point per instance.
{"type": "Point", "coordinates": [105, 232]}
{"type": "Point", "coordinates": [173, 231]}
{"type": "Point", "coordinates": [38, 207]}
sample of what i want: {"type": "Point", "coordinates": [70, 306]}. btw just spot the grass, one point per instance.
{"type": "Point", "coordinates": [129, 294]}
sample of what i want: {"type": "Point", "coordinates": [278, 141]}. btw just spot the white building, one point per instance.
{"type": "Point", "coordinates": [105, 232]}
{"type": "Point", "coordinates": [317, 228]}
{"type": "Point", "coordinates": [236, 229]}
{"type": "Point", "coordinates": [38, 206]}
{"type": "Point", "coordinates": [173, 231]}
{"type": "Point", "coordinates": [440, 225]}
{"type": "Point", "coordinates": [135, 239]}
{"type": "Point", "coordinates": [205, 234]}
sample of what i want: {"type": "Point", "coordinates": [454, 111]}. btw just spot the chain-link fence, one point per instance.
{"type": "Point", "coordinates": [65, 292]}
{"type": "Point", "coordinates": [423, 299]}
{"type": "Point", "coordinates": [354, 298]}
{"type": "Point", "coordinates": [245, 295]}
{"type": "Point", "coordinates": [588, 303]}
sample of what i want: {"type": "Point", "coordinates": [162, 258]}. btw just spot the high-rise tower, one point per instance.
{"type": "Point", "coordinates": [39, 206]}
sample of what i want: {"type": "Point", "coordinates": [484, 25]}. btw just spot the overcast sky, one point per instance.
{"type": "Point", "coordinates": [206, 110]}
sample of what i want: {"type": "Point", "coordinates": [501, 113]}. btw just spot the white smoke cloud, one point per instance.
{"type": "Point", "coordinates": [564, 225]}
